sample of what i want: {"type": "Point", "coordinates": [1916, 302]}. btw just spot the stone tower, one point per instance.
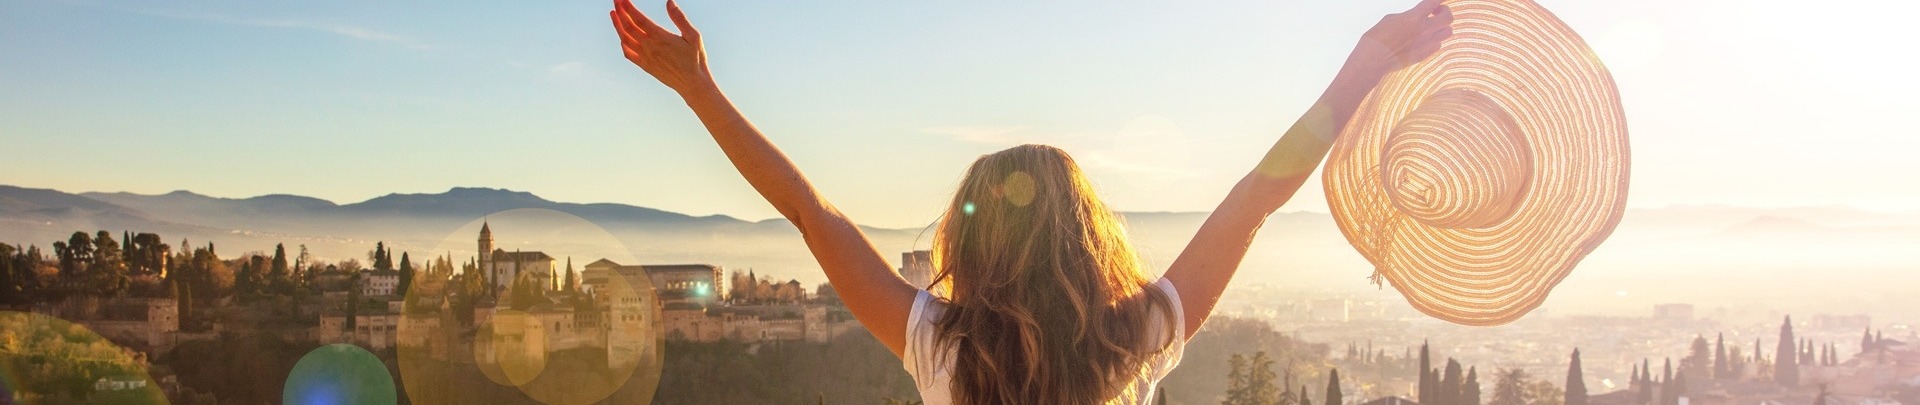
{"type": "Point", "coordinates": [486, 247]}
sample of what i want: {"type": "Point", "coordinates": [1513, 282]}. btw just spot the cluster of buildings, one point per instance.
{"type": "Point", "coordinates": [610, 306]}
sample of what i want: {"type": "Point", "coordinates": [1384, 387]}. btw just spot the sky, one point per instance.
{"type": "Point", "coordinates": [884, 103]}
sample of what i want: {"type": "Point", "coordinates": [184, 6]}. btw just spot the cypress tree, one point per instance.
{"type": "Point", "coordinates": [1720, 366]}
{"type": "Point", "coordinates": [379, 253]}
{"type": "Point", "coordinates": [1576, 387]}
{"type": "Point", "coordinates": [1786, 368]}
{"type": "Point", "coordinates": [1450, 383]}
{"type": "Point", "coordinates": [1866, 341]}
{"type": "Point", "coordinates": [1646, 380]}
{"type": "Point", "coordinates": [406, 275]}
{"type": "Point", "coordinates": [279, 260]}
{"type": "Point", "coordinates": [1470, 392]}
{"type": "Point", "coordinates": [1334, 395]}
{"type": "Point", "coordinates": [1427, 379]}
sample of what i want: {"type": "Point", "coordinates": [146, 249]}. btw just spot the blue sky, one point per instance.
{"type": "Point", "coordinates": [883, 103]}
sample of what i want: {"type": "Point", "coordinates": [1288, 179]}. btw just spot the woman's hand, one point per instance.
{"type": "Point", "coordinates": [1402, 39]}
{"type": "Point", "coordinates": [677, 60]}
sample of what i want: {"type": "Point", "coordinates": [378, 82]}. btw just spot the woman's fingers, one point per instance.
{"type": "Point", "coordinates": [640, 19]}
{"type": "Point", "coordinates": [1428, 43]}
{"type": "Point", "coordinates": [623, 19]}
{"type": "Point", "coordinates": [624, 22]}
{"type": "Point", "coordinates": [680, 20]}
{"type": "Point", "coordinates": [624, 28]}
{"type": "Point", "coordinates": [1426, 7]}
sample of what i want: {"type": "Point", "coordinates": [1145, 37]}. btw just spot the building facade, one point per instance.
{"type": "Point", "coordinates": [503, 267]}
{"type": "Point", "coordinates": [917, 268]}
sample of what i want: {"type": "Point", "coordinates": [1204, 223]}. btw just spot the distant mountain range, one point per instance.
{"type": "Point", "coordinates": [1295, 248]}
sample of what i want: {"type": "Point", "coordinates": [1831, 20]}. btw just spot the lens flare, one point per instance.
{"type": "Point", "coordinates": [339, 374]}
{"type": "Point", "coordinates": [1018, 189]}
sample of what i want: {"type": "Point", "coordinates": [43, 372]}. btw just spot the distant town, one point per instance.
{"type": "Point", "coordinates": [174, 315]}
{"type": "Point", "coordinates": [141, 294]}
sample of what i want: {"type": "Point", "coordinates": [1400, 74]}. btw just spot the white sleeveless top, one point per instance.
{"type": "Point", "coordinates": [934, 378]}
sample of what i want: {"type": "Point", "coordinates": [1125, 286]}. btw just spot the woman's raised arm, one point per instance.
{"type": "Point", "coordinates": [876, 295]}
{"type": "Point", "coordinates": [1202, 271]}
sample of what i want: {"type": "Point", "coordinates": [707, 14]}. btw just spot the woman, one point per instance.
{"type": "Point", "coordinates": [1043, 300]}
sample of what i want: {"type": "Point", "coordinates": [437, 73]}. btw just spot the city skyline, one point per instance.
{"type": "Point", "coordinates": [1728, 103]}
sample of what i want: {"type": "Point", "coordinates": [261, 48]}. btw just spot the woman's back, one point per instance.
{"type": "Point", "coordinates": [930, 359]}
{"type": "Point", "coordinates": [1046, 301]}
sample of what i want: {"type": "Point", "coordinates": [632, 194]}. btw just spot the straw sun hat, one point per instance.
{"type": "Point", "coordinates": [1475, 180]}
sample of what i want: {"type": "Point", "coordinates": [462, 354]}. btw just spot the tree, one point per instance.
{"type": "Point", "coordinates": [1542, 392]}
{"type": "Point", "coordinates": [1428, 382]}
{"type": "Point", "coordinates": [1699, 360]}
{"type": "Point", "coordinates": [1510, 388]}
{"type": "Point", "coordinates": [1470, 392]}
{"type": "Point", "coordinates": [249, 281]}
{"type": "Point", "coordinates": [107, 275]}
{"type": "Point", "coordinates": [75, 254]}
{"type": "Point", "coordinates": [1720, 369]}
{"type": "Point", "coordinates": [1786, 368]}
{"type": "Point", "coordinates": [573, 284]}
{"type": "Point", "coordinates": [1236, 381]}
{"type": "Point", "coordinates": [13, 276]}
{"type": "Point", "coordinates": [279, 276]}
{"type": "Point", "coordinates": [525, 294]}
{"type": "Point", "coordinates": [1576, 382]}
{"type": "Point", "coordinates": [1262, 387]}
{"type": "Point", "coordinates": [1866, 340]}
{"type": "Point", "coordinates": [1334, 395]}
{"type": "Point", "coordinates": [382, 259]}
{"type": "Point", "coordinates": [1646, 380]}
{"type": "Point", "coordinates": [406, 275]}
{"type": "Point", "coordinates": [209, 276]}
{"type": "Point", "coordinates": [146, 254]}
{"type": "Point", "coordinates": [301, 262]}
{"type": "Point", "coordinates": [1450, 382]}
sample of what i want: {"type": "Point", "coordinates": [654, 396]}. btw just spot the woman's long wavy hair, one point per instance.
{"type": "Point", "coordinates": [1047, 301]}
